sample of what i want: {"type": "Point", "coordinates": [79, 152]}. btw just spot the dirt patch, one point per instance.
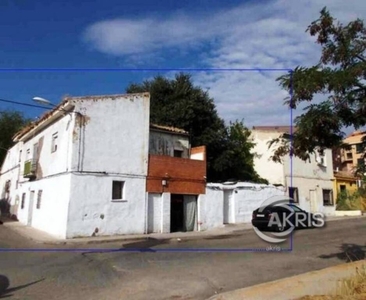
{"type": "Point", "coordinates": [353, 288]}
{"type": "Point", "coordinates": [355, 297]}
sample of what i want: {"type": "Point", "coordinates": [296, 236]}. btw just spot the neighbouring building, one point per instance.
{"type": "Point", "coordinates": [344, 182]}
{"type": "Point", "coordinates": [347, 160]}
{"type": "Point", "coordinates": [308, 183]}
{"type": "Point", "coordinates": [94, 165]}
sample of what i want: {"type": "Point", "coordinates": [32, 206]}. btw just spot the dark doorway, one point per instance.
{"type": "Point", "coordinates": [176, 213]}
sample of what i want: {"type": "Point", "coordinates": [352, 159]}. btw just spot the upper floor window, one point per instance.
{"type": "Point", "coordinates": [20, 155]}
{"type": "Point", "coordinates": [360, 162]}
{"type": "Point", "coordinates": [360, 148]}
{"type": "Point", "coordinates": [320, 159]}
{"type": "Point", "coordinates": [178, 153]}
{"type": "Point", "coordinates": [54, 142]}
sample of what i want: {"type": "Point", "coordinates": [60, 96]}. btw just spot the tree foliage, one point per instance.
{"type": "Point", "coordinates": [338, 79]}
{"type": "Point", "coordinates": [178, 103]}
{"type": "Point", "coordinates": [10, 123]}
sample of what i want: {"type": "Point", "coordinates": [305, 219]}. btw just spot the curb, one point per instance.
{"type": "Point", "coordinates": [321, 282]}
{"type": "Point", "coordinates": [144, 238]}
{"type": "Point", "coordinates": [345, 218]}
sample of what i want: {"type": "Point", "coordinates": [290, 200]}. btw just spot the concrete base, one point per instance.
{"type": "Point", "coordinates": [348, 213]}
{"type": "Point", "coordinates": [323, 282]}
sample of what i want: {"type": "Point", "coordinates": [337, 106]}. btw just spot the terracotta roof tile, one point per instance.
{"type": "Point", "coordinates": [168, 128]}
{"type": "Point", "coordinates": [344, 174]}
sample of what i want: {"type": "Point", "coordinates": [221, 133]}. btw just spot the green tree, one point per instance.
{"type": "Point", "coordinates": [338, 79]}
{"type": "Point", "coordinates": [237, 159]}
{"type": "Point", "coordinates": [10, 123]}
{"type": "Point", "coordinates": [177, 102]}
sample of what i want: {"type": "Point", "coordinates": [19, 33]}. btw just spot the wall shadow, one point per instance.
{"type": "Point", "coordinates": [348, 253]}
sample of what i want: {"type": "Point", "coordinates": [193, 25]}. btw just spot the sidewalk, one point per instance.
{"type": "Point", "coordinates": [41, 237]}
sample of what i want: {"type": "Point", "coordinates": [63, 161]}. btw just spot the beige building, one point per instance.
{"type": "Point", "coordinates": [309, 183]}
{"type": "Point", "coordinates": [348, 159]}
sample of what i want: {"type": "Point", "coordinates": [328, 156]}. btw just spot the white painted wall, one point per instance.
{"type": "Point", "coordinates": [249, 197]}
{"type": "Point", "coordinates": [246, 197]}
{"type": "Point", "coordinates": [115, 138]}
{"type": "Point", "coordinates": [113, 143]}
{"type": "Point", "coordinates": [50, 166]}
{"type": "Point", "coordinates": [51, 217]}
{"type": "Point", "coordinates": [308, 176]}
{"type": "Point", "coordinates": [166, 212]}
{"type": "Point", "coordinates": [210, 209]}
{"type": "Point", "coordinates": [265, 167]}
{"type": "Point", "coordinates": [154, 213]}
{"type": "Point", "coordinates": [91, 206]}
{"type": "Point", "coordinates": [51, 163]}
{"type": "Point", "coordinates": [10, 171]}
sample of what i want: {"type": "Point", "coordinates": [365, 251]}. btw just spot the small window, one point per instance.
{"type": "Point", "coordinates": [327, 197]}
{"type": "Point", "coordinates": [23, 201]}
{"type": "Point", "coordinates": [39, 198]}
{"type": "Point", "coordinates": [294, 194]}
{"type": "Point", "coordinates": [359, 148]}
{"type": "Point", "coordinates": [117, 190]}
{"type": "Point", "coordinates": [178, 153]}
{"type": "Point", "coordinates": [349, 155]}
{"type": "Point", "coordinates": [20, 155]}
{"type": "Point", "coordinates": [343, 189]}
{"type": "Point", "coordinates": [320, 159]}
{"type": "Point", "coordinates": [35, 152]}
{"type": "Point", "coordinates": [54, 142]}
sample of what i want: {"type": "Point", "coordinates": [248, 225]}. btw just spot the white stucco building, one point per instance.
{"type": "Point", "coordinates": [309, 183]}
{"type": "Point", "coordinates": [92, 165]}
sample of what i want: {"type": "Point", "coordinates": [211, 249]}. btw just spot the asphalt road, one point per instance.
{"type": "Point", "coordinates": [160, 272]}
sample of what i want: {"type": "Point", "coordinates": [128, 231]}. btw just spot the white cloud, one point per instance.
{"type": "Point", "coordinates": [266, 35]}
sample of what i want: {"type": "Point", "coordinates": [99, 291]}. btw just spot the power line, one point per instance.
{"type": "Point", "coordinates": [21, 103]}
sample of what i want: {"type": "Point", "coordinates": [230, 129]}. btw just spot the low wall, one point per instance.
{"type": "Point", "coordinates": [232, 203]}
{"type": "Point", "coordinates": [323, 282]}
{"type": "Point", "coordinates": [348, 213]}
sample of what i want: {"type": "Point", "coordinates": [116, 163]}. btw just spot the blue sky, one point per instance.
{"type": "Point", "coordinates": [160, 34]}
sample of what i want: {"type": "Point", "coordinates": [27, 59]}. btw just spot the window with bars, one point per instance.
{"type": "Point", "coordinates": [328, 197]}
{"type": "Point", "coordinates": [294, 194]}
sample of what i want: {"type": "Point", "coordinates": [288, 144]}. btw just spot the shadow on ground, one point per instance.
{"type": "Point", "coordinates": [5, 292]}
{"type": "Point", "coordinates": [348, 253]}
{"type": "Point", "coordinates": [144, 246]}
{"type": "Point", "coordinates": [139, 246]}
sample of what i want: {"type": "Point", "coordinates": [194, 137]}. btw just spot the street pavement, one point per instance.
{"type": "Point", "coordinates": [161, 269]}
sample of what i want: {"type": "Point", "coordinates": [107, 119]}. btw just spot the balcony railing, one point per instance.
{"type": "Point", "coordinates": [30, 168]}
